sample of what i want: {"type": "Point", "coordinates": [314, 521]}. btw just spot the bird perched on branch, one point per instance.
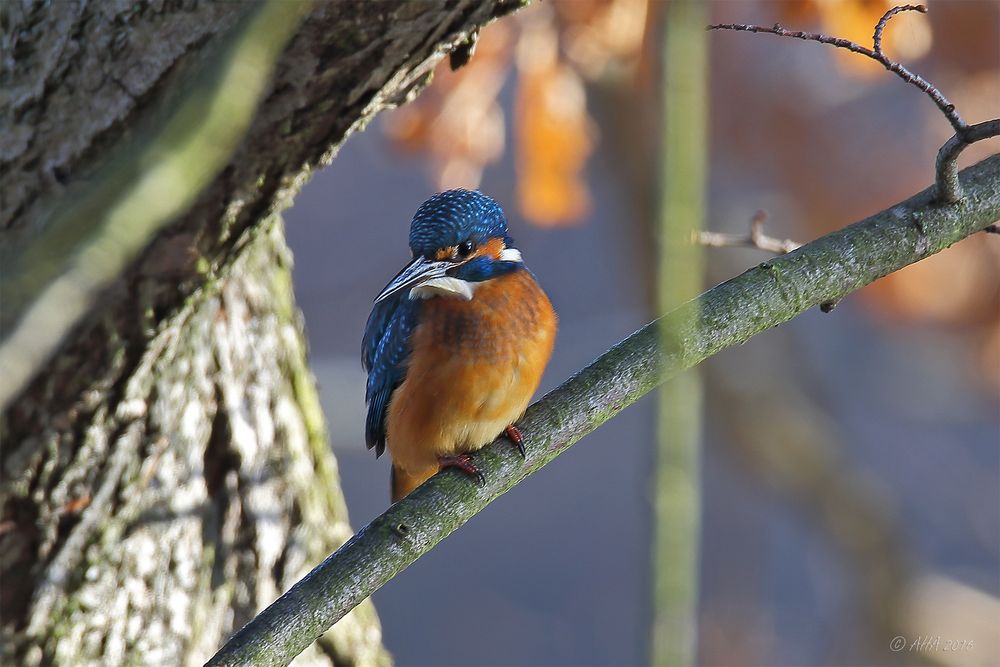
{"type": "Point", "coordinates": [456, 343]}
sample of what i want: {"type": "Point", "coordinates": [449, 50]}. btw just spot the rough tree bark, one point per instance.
{"type": "Point", "coordinates": [166, 473]}
{"type": "Point", "coordinates": [169, 516]}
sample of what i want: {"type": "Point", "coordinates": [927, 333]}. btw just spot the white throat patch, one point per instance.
{"type": "Point", "coordinates": [510, 255]}
{"type": "Point", "coordinates": [445, 286]}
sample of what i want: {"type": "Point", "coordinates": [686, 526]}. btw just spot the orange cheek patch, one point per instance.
{"type": "Point", "coordinates": [491, 248]}
{"type": "Point", "coordinates": [444, 253]}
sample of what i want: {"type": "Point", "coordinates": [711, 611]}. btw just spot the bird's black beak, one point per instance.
{"type": "Point", "coordinates": [417, 272]}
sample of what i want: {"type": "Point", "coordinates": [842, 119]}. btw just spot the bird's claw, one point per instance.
{"type": "Point", "coordinates": [514, 435]}
{"type": "Point", "coordinates": [464, 463]}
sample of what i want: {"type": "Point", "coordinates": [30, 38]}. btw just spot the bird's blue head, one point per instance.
{"type": "Point", "coordinates": [458, 238]}
{"type": "Point", "coordinates": [453, 217]}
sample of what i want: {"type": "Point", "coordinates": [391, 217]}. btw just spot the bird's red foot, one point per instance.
{"type": "Point", "coordinates": [515, 437]}
{"type": "Point", "coordinates": [464, 463]}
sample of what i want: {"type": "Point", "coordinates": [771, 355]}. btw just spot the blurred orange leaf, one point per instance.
{"type": "Point", "coordinates": [553, 129]}
{"type": "Point", "coordinates": [459, 124]}
{"type": "Point", "coordinates": [599, 33]}
{"type": "Point", "coordinates": [457, 121]}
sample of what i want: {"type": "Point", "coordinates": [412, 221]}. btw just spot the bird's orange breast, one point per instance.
{"type": "Point", "coordinates": [473, 368]}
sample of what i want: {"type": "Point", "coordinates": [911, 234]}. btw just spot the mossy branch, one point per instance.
{"type": "Point", "coordinates": [774, 292]}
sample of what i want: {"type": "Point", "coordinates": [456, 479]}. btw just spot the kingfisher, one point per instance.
{"type": "Point", "coordinates": [456, 343]}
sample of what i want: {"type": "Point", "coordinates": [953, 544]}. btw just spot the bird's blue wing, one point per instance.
{"type": "Point", "coordinates": [385, 349]}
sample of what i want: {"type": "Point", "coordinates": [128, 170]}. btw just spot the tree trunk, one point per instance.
{"type": "Point", "coordinates": [160, 524]}
{"type": "Point", "coordinates": [166, 473]}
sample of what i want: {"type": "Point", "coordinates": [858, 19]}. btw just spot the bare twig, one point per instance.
{"type": "Point", "coordinates": [947, 108]}
{"type": "Point", "coordinates": [755, 239]}
{"type": "Point", "coordinates": [948, 189]}
{"type": "Point", "coordinates": [880, 26]}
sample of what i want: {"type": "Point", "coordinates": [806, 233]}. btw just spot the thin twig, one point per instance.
{"type": "Point", "coordinates": [947, 108]}
{"type": "Point", "coordinates": [948, 188]}
{"type": "Point", "coordinates": [880, 26]}
{"type": "Point", "coordinates": [755, 239]}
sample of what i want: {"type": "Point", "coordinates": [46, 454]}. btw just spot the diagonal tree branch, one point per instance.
{"type": "Point", "coordinates": [52, 282]}
{"type": "Point", "coordinates": [136, 200]}
{"type": "Point", "coordinates": [774, 292]}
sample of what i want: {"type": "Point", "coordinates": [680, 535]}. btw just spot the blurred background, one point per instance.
{"type": "Point", "coordinates": [849, 476]}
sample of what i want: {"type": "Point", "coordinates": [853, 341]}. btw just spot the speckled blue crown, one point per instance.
{"type": "Point", "coordinates": [449, 218]}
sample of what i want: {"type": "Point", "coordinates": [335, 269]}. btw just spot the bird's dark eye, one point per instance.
{"type": "Point", "coordinates": [465, 249]}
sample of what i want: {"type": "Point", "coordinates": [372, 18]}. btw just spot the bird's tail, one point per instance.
{"type": "Point", "coordinates": [403, 482]}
